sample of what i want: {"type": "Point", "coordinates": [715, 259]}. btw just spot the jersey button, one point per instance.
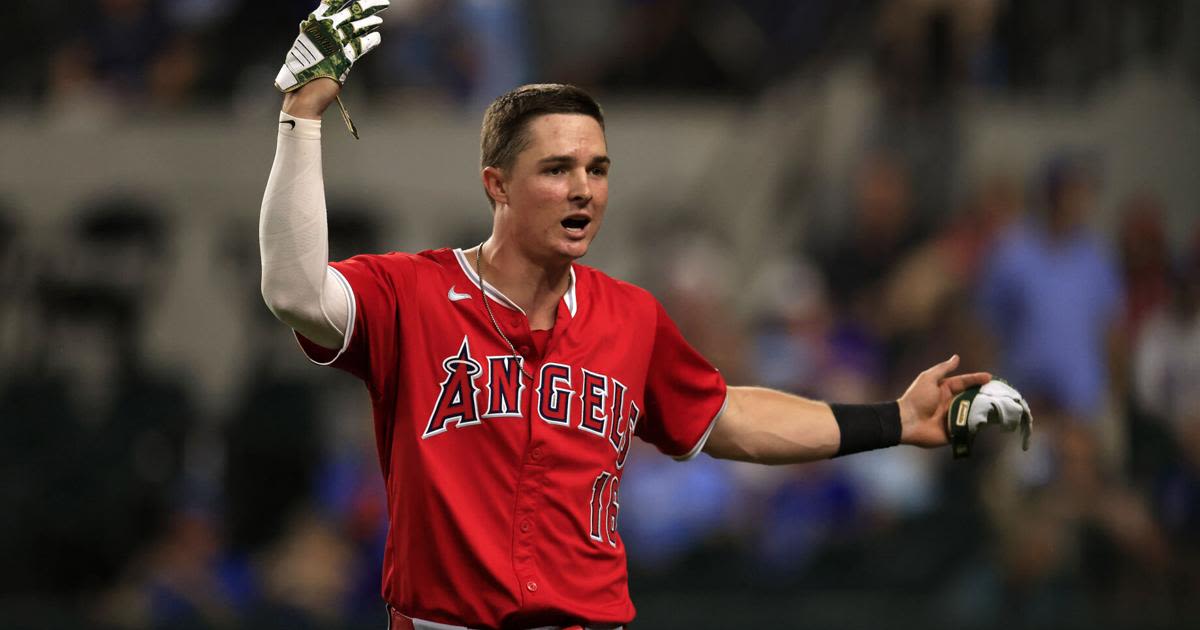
{"type": "Point", "coordinates": [516, 322]}
{"type": "Point", "coordinates": [525, 525]}
{"type": "Point", "coordinates": [524, 350]}
{"type": "Point", "coordinates": [532, 586]}
{"type": "Point", "coordinates": [536, 453]}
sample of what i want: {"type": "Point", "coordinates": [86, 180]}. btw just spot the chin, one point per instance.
{"type": "Point", "coordinates": [575, 252]}
{"type": "Point", "coordinates": [573, 249]}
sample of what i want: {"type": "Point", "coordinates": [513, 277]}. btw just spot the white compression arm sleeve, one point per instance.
{"type": "Point", "coordinates": [293, 238]}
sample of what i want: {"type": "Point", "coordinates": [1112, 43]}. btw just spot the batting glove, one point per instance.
{"type": "Point", "coordinates": [335, 35]}
{"type": "Point", "coordinates": [994, 403]}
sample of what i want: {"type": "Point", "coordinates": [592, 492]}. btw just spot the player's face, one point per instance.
{"type": "Point", "coordinates": [557, 188]}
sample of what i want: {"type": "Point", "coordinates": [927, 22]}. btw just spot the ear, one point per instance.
{"type": "Point", "coordinates": [495, 184]}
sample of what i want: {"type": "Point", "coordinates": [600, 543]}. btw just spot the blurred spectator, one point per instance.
{"type": "Point", "coordinates": [1167, 356]}
{"type": "Point", "coordinates": [947, 264]}
{"type": "Point", "coordinates": [881, 231]}
{"type": "Point", "coordinates": [1051, 296]}
{"type": "Point", "coordinates": [1166, 371]}
{"type": "Point", "coordinates": [1147, 330]}
{"type": "Point", "coordinates": [698, 286]}
{"type": "Point", "coordinates": [925, 48]}
{"type": "Point", "coordinates": [429, 50]}
{"type": "Point", "coordinates": [126, 51]}
{"type": "Point", "coordinates": [1145, 259]}
{"type": "Point", "coordinates": [498, 34]}
{"type": "Point", "coordinates": [792, 323]}
{"type": "Point", "coordinates": [175, 582]}
{"type": "Point", "coordinates": [923, 54]}
{"type": "Point", "coordinates": [305, 576]}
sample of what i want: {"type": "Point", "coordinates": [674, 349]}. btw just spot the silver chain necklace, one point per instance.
{"type": "Point", "coordinates": [488, 307]}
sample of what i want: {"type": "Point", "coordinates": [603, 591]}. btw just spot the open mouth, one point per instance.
{"type": "Point", "coordinates": [576, 223]}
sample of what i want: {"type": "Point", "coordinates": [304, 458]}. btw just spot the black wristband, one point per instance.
{"type": "Point", "coordinates": [867, 427]}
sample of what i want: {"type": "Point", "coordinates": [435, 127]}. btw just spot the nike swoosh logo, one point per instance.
{"type": "Point", "coordinates": [455, 296]}
{"type": "Point", "coordinates": [288, 122]}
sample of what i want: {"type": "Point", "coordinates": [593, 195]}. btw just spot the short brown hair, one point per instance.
{"type": "Point", "coordinates": [503, 135]}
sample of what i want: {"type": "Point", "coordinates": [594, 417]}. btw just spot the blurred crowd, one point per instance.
{"type": "Point", "coordinates": [146, 56]}
{"type": "Point", "coordinates": [131, 503]}
{"type": "Point", "coordinates": [1094, 525]}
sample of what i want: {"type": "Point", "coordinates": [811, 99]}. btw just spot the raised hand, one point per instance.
{"type": "Point", "coordinates": [332, 38]}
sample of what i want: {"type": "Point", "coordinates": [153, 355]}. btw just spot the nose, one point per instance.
{"type": "Point", "coordinates": [580, 191]}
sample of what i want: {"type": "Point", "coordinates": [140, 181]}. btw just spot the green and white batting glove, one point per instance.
{"type": "Point", "coordinates": [994, 403]}
{"type": "Point", "coordinates": [335, 35]}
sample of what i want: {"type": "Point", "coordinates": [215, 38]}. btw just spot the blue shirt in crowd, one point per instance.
{"type": "Point", "coordinates": [1051, 302]}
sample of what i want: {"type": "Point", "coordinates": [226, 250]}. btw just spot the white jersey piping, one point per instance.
{"type": "Point", "coordinates": [704, 438]}
{"type": "Point", "coordinates": [345, 284]}
{"type": "Point", "coordinates": [490, 291]}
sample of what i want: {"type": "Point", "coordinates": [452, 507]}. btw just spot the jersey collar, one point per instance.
{"type": "Point", "coordinates": [492, 292]}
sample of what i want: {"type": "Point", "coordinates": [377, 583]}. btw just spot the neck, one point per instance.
{"type": "Point", "coordinates": [535, 286]}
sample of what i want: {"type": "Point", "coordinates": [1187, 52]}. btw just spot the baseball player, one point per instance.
{"type": "Point", "coordinates": [507, 381]}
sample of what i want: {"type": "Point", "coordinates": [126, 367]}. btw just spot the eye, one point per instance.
{"type": "Point", "coordinates": [599, 171]}
{"type": "Point", "coordinates": [555, 170]}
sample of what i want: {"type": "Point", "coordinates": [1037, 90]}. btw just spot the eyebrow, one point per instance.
{"type": "Point", "coordinates": [567, 159]}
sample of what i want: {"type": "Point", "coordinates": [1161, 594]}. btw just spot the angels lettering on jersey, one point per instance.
{"type": "Point", "coordinates": [570, 397]}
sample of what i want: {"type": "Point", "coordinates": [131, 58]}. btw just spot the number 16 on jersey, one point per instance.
{"type": "Point", "coordinates": [603, 508]}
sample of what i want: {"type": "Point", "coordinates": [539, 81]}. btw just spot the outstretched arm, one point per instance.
{"type": "Point", "coordinates": [770, 427]}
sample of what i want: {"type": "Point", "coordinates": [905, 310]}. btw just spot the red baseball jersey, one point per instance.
{"type": "Point", "coordinates": [503, 494]}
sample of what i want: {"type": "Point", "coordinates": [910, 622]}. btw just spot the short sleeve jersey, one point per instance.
{"type": "Point", "coordinates": [504, 493]}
